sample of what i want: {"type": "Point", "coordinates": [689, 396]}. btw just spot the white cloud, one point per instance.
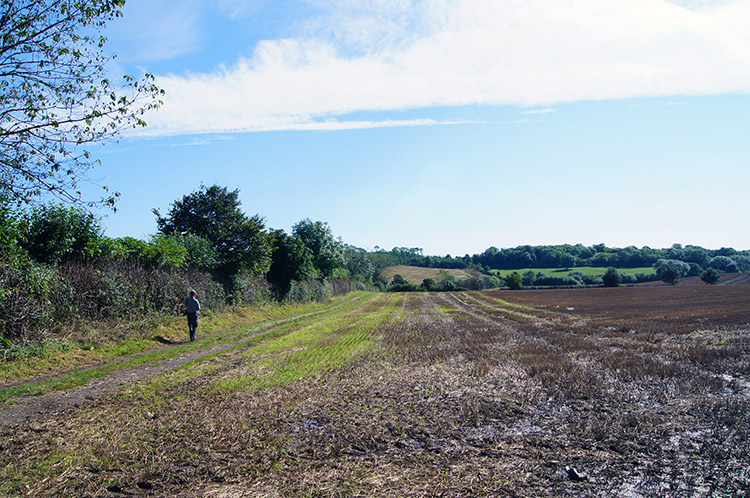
{"type": "Point", "coordinates": [381, 55]}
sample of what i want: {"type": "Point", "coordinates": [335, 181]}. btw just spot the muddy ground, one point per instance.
{"type": "Point", "coordinates": [598, 392]}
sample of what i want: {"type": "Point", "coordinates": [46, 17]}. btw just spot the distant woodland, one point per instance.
{"type": "Point", "coordinates": [57, 266]}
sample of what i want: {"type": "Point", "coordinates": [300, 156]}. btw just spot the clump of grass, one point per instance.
{"type": "Point", "coordinates": [12, 352]}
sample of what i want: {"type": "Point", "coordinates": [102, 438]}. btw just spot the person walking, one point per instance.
{"type": "Point", "coordinates": [193, 307]}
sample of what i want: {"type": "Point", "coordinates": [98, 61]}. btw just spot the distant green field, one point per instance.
{"type": "Point", "coordinates": [415, 275]}
{"type": "Point", "coordinates": [586, 270]}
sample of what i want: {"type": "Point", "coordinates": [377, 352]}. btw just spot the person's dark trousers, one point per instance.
{"type": "Point", "coordinates": [192, 325]}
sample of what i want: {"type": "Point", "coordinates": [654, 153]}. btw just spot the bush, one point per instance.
{"type": "Point", "coordinates": [611, 278]}
{"type": "Point", "coordinates": [671, 270]}
{"type": "Point", "coordinates": [695, 270]}
{"type": "Point", "coordinates": [400, 284]}
{"type": "Point", "coordinates": [627, 278]}
{"type": "Point", "coordinates": [670, 275]}
{"type": "Point", "coordinates": [567, 281]}
{"type": "Point", "coordinates": [56, 233]}
{"type": "Point", "coordinates": [529, 278]}
{"type": "Point", "coordinates": [245, 288]}
{"type": "Point", "coordinates": [513, 281]}
{"type": "Point", "coordinates": [428, 285]}
{"type": "Point", "coordinates": [711, 276]}
{"type": "Point", "coordinates": [128, 290]}
{"type": "Point", "coordinates": [724, 263]}
{"type": "Point", "coordinates": [33, 299]}
{"type": "Point", "coordinates": [492, 282]}
{"type": "Point", "coordinates": [472, 283]}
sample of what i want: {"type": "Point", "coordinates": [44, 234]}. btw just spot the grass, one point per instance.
{"type": "Point", "coordinates": [260, 321]}
{"type": "Point", "coordinates": [314, 348]}
{"type": "Point", "coordinates": [104, 342]}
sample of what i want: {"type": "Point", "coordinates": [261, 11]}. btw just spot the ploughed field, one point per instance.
{"type": "Point", "coordinates": [638, 391]}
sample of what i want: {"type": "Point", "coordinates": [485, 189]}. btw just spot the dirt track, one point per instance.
{"type": "Point", "coordinates": [58, 403]}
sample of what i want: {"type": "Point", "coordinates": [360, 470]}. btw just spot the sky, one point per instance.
{"type": "Point", "coordinates": [448, 125]}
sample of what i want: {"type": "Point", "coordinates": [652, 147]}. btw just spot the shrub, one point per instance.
{"type": "Point", "coordinates": [472, 283]}
{"type": "Point", "coordinates": [166, 252]}
{"type": "Point", "coordinates": [611, 278]}
{"type": "Point", "coordinates": [513, 281]}
{"type": "Point", "coordinates": [711, 276]}
{"type": "Point", "coordinates": [492, 282]}
{"type": "Point", "coordinates": [670, 275]}
{"type": "Point", "coordinates": [724, 263]}
{"type": "Point", "coordinates": [627, 278]}
{"type": "Point", "coordinates": [33, 298]}
{"type": "Point", "coordinates": [245, 288]}
{"type": "Point", "coordinates": [428, 285]}
{"type": "Point", "coordinates": [529, 278]}
{"type": "Point", "coordinates": [56, 233]}
{"type": "Point", "coordinates": [671, 270]}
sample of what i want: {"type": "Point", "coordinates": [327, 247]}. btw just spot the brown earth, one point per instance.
{"type": "Point", "coordinates": [630, 392]}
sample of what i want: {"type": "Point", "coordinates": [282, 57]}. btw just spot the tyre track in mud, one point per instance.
{"type": "Point", "coordinates": [479, 309]}
{"type": "Point", "coordinates": [30, 408]}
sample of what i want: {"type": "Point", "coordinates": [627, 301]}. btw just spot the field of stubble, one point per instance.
{"type": "Point", "coordinates": [640, 391]}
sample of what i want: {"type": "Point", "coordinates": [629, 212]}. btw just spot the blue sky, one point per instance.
{"type": "Point", "coordinates": [450, 125]}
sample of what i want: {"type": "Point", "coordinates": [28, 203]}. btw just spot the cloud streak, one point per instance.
{"type": "Point", "coordinates": [379, 55]}
{"type": "Point", "coordinates": [158, 30]}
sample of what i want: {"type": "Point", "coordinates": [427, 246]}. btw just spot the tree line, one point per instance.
{"type": "Point", "coordinates": [668, 264]}
{"type": "Point", "coordinates": [57, 266]}
{"type": "Point", "coordinates": [522, 257]}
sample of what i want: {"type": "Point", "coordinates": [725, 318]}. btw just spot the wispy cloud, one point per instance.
{"type": "Point", "coordinates": [200, 141]}
{"type": "Point", "coordinates": [546, 110]}
{"type": "Point", "coordinates": [336, 125]}
{"type": "Point", "coordinates": [238, 9]}
{"type": "Point", "coordinates": [381, 55]}
{"type": "Point", "coordinates": [158, 29]}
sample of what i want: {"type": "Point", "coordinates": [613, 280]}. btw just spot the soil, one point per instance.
{"type": "Point", "coordinates": [627, 392]}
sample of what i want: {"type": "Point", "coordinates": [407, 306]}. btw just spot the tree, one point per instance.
{"type": "Point", "coordinates": [398, 280]}
{"type": "Point", "coordinates": [214, 214]}
{"type": "Point", "coordinates": [611, 278]}
{"type": "Point", "coordinates": [326, 251]}
{"type": "Point", "coordinates": [201, 254]}
{"type": "Point", "coordinates": [711, 276]}
{"type": "Point", "coordinates": [670, 275]}
{"type": "Point", "coordinates": [428, 285]}
{"type": "Point", "coordinates": [359, 263]}
{"type": "Point", "coordinates": [400, 284]}
{"type": "Point", "coordinates": [55, 96]}
{"type": "Point", "coordinates": [290, 261]}
{"type": "Point", "coordinates": [11, 229]}
{"type": "Point", "coordinates": [513, 280]}
{"type": "Point", "coordinates": [724, 263]}
{"type": "Point", "coordinates": [680, 267]}
{"type": "Point", "coordinates": [58, 233]}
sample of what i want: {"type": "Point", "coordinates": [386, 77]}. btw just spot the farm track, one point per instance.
{"type": "Point", "coordinates": [593, 392]}
{"type": "Point", "coordinates": [107, 378]}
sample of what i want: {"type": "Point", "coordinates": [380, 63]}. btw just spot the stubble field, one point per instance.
{"type": "Point", "coordinates": [641, 391]}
